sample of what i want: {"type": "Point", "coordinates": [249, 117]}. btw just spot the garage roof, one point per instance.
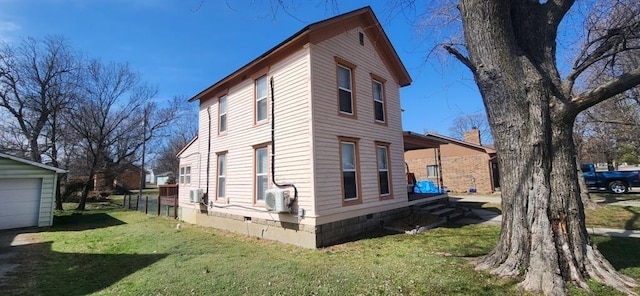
{"type": "Point", "coordinates": [33, 163]}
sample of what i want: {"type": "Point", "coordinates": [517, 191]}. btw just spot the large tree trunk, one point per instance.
{"type": "Point", "coordinates": [543, 236]}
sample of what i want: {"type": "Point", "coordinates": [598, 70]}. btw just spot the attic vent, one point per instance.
{"type": "Point", "coordinates": [361, 36]}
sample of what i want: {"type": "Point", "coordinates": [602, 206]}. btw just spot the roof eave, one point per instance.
{"type": "Point", "coordinates": [33, 163]}
{"type": "Point", "coordinates": [389, 54]}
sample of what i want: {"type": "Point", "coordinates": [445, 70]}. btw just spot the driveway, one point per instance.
{"type": "Point", "coordinates": [9, 240]}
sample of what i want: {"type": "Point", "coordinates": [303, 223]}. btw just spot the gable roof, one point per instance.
{"type": "Point", "coordinates": [315, 33]}
{"type": "Point", "coordinates": [33, 163]}
{"type": "Point", "coordinates": [485, 149]}
{"type": "Point", "coordinates": [186, 146]}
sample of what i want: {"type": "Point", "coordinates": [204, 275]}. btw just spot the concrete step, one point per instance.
{"type": "Point", "coordinates": [443, 212]}
{"type": "Point", "coordinates": [455, 216]}
{"type": "Point", "coordinates": [433, 207]}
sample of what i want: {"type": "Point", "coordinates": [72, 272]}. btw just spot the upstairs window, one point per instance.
{"type": "Point", "coordinates": [222, 111]}
{"type": "Point", "coordinates": [378, 101]}
{"type": "Point", "coordinates": [345, 94]}
{"type": "Point", "coordinates": [345, 72]}
{"type": "Point", "coordinates": [261, 99]}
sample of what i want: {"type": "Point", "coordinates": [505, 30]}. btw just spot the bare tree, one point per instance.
{"type": "Point", "coordinates": [107, 120]}
{"type": "Point", "coordinates": [182, 132]}
{"type": "Point", "coordinates": [466, 122]}
{"type": "Point", "coordinates": [37, 82]}
{"type": "Point", "coordinates": [510, 47]}
{"type": "Point", "coordinates": [613, 126]}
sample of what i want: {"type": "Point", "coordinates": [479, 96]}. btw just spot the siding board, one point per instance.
{"type": "Point", "coordinates": [13, 169]}
{"type": "Point", "coordinates": [328, 126]}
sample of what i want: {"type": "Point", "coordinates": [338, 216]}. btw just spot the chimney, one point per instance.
{"type": "Point", "coordinates": [472, 136]}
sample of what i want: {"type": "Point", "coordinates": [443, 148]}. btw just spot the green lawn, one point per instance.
{"type": "Point", "coordinates": [107, 251]}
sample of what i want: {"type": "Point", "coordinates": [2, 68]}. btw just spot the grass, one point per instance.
{"type": "Point", "coordinates": [107, 250]}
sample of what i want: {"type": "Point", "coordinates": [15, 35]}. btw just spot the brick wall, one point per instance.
{"type": "Point", "coordinates": [460, 171]}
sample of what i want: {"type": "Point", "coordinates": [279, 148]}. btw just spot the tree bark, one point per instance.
{"type": "Point", "coordinates": [511, 48]}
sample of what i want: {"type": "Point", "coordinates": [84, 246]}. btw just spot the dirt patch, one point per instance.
{"type": "Point", "coordinates": [414, 221]}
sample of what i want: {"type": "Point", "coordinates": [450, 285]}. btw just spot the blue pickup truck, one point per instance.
{"type": "Point", "coordinates": [615, 181]}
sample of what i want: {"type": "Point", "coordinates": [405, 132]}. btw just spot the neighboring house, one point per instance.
{"type": "Point", "coordinates": [165, 178]}
{"type": "Point", "coordinates": [338, 138]}
{"type": "Point", "coordinates": [466, 166]}
{"type": "Point", "coordinates": [150, 176]}
{"type": "Point", "coordinates": [125, 176]}
{"type": "Point", "coordinates": [27, 192]}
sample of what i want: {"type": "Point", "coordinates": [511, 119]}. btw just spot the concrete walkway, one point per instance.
{"type": "Point", "coordinates": [492, 218]}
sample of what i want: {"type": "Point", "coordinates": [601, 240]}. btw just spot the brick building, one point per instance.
{"type": "Point", "coordinates": [466, 166]}
{"type": "Point", "coordinates": [125, 176]}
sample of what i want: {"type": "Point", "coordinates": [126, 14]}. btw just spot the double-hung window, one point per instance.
{"type": "Point", "coordinates": [261, 172]}
{"type": "Point", "coordinates": [261, 99]}
{"type": "Point", "coordinates": [346, 87]}
{"type": "Point", "coordinates": [222, 175]}
{"type": "Point", "coordinates": [345, 91]}
{"type": "Point", "coordinates": [222, 111]}
{"type": "Point", "coordinates": [350, 171]}
{"type": "Point", "coordinates": [185, 174]}
{"type": "Point", "coordinates": [382, 154]}
{"type": "Point", "coordinates": [378, 101]}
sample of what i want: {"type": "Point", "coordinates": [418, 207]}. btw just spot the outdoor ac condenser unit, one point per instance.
{"type": "Point", "coordinates": [277, 200]}
{"type": "Point", "coordinates": [195, 195]}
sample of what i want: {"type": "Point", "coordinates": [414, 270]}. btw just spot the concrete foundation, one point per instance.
{"type": "Point", "coordinates": [307, 236]}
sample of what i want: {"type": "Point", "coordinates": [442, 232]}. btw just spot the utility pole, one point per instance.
{"type": "Point", "coordinates": [143, 173]}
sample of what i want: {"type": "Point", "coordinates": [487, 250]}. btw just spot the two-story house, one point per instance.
{"type": "Point", "coordinates": [327, 102]}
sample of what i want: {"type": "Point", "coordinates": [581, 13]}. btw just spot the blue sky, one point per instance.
{"type": "Point", "coordinates": [183, 46]}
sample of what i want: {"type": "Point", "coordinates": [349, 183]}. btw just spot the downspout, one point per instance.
{"type": "Point", "coordinates": [273, 150]}
{"type": "Point", "coordinates": [439, 163]}
{"type": "Point", "coordinates": [205, 198]}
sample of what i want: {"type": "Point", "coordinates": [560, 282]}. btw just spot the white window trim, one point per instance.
{"type": "Point", "coordinates": [185, 174]}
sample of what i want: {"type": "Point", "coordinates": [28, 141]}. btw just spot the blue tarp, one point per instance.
{"type": "Point", "coordinates": [426, 187]}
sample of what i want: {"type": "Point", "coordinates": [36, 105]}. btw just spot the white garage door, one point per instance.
{"type": "Point", "coordinates": [19, 202]}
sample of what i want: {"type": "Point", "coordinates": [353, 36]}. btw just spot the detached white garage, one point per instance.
{"type": "Point", "coordinates": [27, 192]}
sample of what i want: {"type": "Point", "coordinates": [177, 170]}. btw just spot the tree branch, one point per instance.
{"type": "Point", "coordinates": [607, 90]}
{"type": "Point", "coordinates": [458, 55]}
{"type": "Point", "coordinates": [557, 10]}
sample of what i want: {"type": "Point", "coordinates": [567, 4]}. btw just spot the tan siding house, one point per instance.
{"type": "Point", "coordinates": [466, 166]}
{"type": "Point", "coordinates": [332, 94]}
